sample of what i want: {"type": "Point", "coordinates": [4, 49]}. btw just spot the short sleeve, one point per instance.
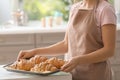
{"type": "Point", "coordinates": [108, 16]}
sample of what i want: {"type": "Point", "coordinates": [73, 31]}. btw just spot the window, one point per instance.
{"type": "Point", "coordinates": [36, 9]}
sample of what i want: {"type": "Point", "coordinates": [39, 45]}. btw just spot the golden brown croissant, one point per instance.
{"type": "Point", "coordinates": [43, 67]}
{"type": "Point", "coordinates": [38, 59]}
{"type": "Point", "coordinates": [38, 64]}
{"type": "Point", "coordinates": [24, 65]}
{"type": "Point", "coordinates": [56, 62]}
{"type": "Point", "coordinates": [14, 65]}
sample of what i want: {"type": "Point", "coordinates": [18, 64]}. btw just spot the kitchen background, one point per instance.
{"type": "Point", "coordinates": [27, 24]}
{"type": "Point", "coordinates": [34, 9]}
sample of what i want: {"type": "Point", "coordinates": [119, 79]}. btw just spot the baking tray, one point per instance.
{"type": "Point", "coordinates": [28, 72]}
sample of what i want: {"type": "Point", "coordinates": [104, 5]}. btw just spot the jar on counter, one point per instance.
{"type": "Point", "coordinates": [50, 21]}
{"type": "Point", "coordinates": [58, 18]}
{"type": "Point", "coordinates": [43, 22]}
{"type": "Point", "coordinates": [20, 18]}
{"type": "Point", "coordinates": [47, 21]}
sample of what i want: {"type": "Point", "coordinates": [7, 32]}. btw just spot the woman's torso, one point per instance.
{"type": "Point", "coordinates": [84, 37]}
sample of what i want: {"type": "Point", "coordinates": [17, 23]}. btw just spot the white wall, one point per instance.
{"type": "Point", "coordinates": [117, 5]}
{"type": "Point", "coordinates": [5, 10]}
{"type": "Point", "coordinates": [117, 8]}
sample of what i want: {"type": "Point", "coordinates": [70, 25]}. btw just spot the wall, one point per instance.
{"type": "Point", "coordinates": [117, 8]}
{"type": "Point", "coordinates": [5, 9]}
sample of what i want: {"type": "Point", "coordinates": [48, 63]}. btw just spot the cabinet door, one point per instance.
{"type": "Point", "coordinates": [116, 58]}
{"type": "Point", "coordinates": [16, 39]}
{"type": "Point", "coordinates": [43, 40]}
{"type": "Point", "coordinates": [115, 62]}
{"type": "Point", "coordinates": [116, 72]}
{"type": "Point", "coordinates": [49, 38]}
{"type": "Point", "coordinates": [9, 54]}
{"type": "Point", "coordinates": [11, 44]}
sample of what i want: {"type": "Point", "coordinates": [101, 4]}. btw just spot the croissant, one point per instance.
{"type": "Point", "coordinates": [24, 65]}
{"type": "Point", "coordinates": [56, 62]}
{"type": "Point", "coordinates": [38, 59]}
{"type": "Point", "coordinates": [14, 65]}
{"type": "Point", "coordinates": [38, 64]}
{"type": "Point", "coordinates": [43, 67]}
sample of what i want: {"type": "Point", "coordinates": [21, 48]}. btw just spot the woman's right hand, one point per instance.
{"type": "Point", "coordinates": [23, 54]}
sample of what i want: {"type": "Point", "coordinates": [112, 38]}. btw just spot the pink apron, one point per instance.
{"type": "Point", "coordinates": [84, 37]}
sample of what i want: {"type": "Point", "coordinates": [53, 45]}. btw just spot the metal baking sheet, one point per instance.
{"type": "Point", "coordinates": [28, 72]}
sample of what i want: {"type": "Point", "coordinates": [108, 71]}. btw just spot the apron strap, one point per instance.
{"type": "Point", "coordinates": [96, 5]}
{"type": "Point", "coordinates": [94, 12]}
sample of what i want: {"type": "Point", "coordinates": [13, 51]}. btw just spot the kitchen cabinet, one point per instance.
{"type": "Point", "coordinates": [9, 53]}
{"type": "Point", "coordinates": [115, 63]}
{"type": "Point", "coordinates": [11, 44]}
{"type": "Point", "coordinates": [43, 40]}
{"type": "Point", "coordinates": [48, 39]}
{"type": "Point", "coordinates": [115, 60]}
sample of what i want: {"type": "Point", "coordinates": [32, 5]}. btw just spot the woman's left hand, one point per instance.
{"type": "Point", "coordinates": [70, 65]}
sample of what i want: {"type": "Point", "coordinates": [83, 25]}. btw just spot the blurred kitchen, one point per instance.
{"type": "Point", "coordinates": [25, 12]}
{"type": "Point", "coordinates": [28, 24]}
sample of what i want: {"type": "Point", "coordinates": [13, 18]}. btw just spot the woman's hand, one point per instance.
{"type": "Point", "coordinates": [70, 65]}
{"type": "Point", "coordinates": [25, 54]}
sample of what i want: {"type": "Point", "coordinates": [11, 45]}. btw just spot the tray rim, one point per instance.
{"type": "Point", "coordinates": [28, 72]}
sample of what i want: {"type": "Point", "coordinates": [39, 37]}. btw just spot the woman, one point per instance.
{"type": "Point", "coordinates": [89, 41]}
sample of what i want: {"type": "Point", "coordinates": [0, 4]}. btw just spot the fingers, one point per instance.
{"type": "Point", "coordinates": [67, 67]}
{"type": "Point", "coordinates": [20, 56]}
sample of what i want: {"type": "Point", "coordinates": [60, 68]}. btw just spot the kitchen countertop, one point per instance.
{"type": "Point", "coordinates": [27, 30]}
{"type": "Point", "coordinates": [6, 75]}
{"type": "Point", "coordinates": [32, 27]}
{"type": "Point", "coordinates": [36, 29]}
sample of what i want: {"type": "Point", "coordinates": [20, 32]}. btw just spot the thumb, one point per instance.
{"type": "Point", "coordinates": [65, 66]}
